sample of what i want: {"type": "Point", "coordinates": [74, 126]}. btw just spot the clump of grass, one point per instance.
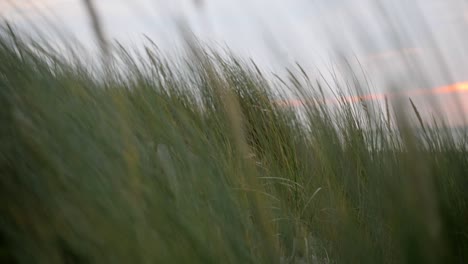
{"type": "Point", "coordinates": [153, 162]}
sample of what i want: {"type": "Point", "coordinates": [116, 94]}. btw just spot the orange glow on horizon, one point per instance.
{"type": "Point", "coordinates": [457, 87]}
{"type": "Point", "coordinates": [460, 87]}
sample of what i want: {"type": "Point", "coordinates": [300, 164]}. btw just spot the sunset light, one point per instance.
{"type": "Point", "coordinates": [455, 88]}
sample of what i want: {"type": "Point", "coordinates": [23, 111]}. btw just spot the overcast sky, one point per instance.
{"type": "Point", "coordinates": [277, 33]}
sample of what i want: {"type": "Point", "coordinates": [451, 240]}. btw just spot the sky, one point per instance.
{"type": "Point", "coordinates": [273, 31]}
{"type": "Point", "coordinates": [418, 43]}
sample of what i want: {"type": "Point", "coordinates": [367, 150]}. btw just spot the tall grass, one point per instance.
{"type": "Point", "coordinates": [157, 162]}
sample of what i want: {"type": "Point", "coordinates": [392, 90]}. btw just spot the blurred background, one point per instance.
{"type": "Point", "coordinates": [420, 43]}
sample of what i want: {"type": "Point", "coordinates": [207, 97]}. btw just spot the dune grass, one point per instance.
{"type": "Point", "coordinates": [157, 162]}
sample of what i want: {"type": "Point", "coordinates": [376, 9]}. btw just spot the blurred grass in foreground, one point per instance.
{"type": "Point", "coordinates": [157, 162]}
